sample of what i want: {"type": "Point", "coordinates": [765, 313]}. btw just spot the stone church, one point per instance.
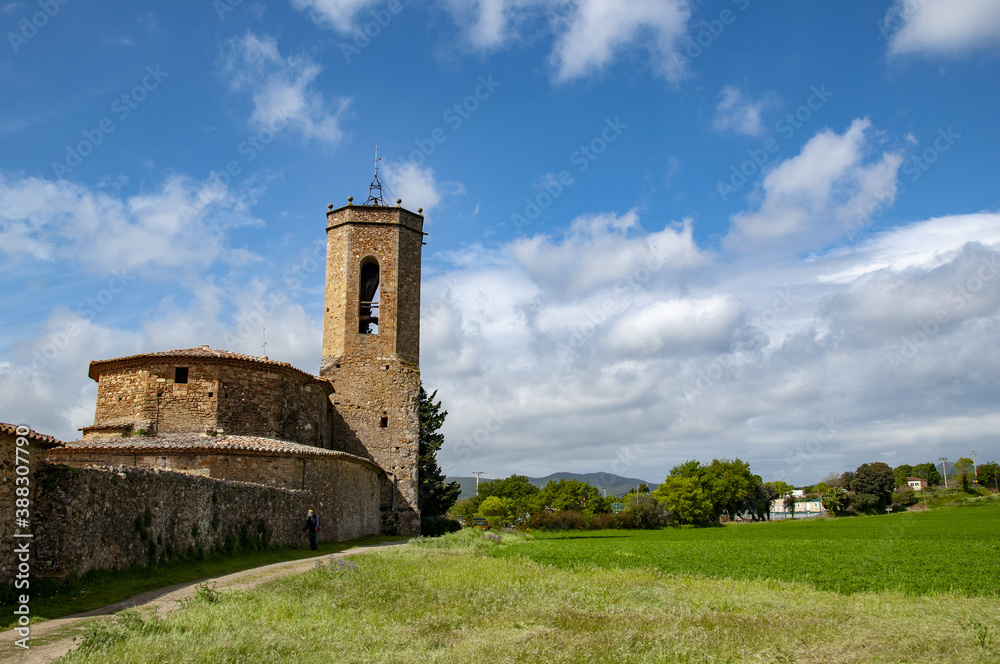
{"type": "Point", "coordinates": [181, 428]}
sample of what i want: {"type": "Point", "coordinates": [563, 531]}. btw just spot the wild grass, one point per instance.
{"type": "Point", "coordinates": [52, 599]}
{"type": "Point", "coordinates": [454, 600]}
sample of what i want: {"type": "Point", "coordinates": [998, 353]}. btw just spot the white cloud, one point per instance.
{"type": "Point", "coordinates": [588, 34]}
{"type": "Point", "coordinates": [612, 248]}
{"type": "Point", "coordinates": [942, 27]}
{"type": "Point", "coordinates": [417, 186]}
{"type": "Point", "coordinates": [587, 367]}
{"type": "Point", "coordinates": [183, 224]}
{"type": "Point", "coordinates": [599, 29]}
{"type": "Point", "coordinates": [812, 198]}
{"type": "Point", "coordinates": [338, 14]}
{"type": "Point", "coordinates": [739, 113]}
{"type": "Point", "coordinates": [282, 89]}
{"type": "Point", "coordinates": [487, 24]}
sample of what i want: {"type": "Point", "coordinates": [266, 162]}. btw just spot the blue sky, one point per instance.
{"type": "Point", "coordinates": [659, 230]}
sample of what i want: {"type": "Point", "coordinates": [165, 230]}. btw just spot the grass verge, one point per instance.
{"type": "Point", "coordinates": [449, 600]}
{"type": "Point", "coordinates": [52, 599]}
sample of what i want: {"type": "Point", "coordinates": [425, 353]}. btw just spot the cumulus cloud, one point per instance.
{"type": "Point", "coordinates": [588, 35]}
{"type": "Point", "coordinates": [417, 186]}
{"type": "Point", "coordinates": [952, 28]}
{"type": "Point", "coordinates": [739, 113]}
{"type": "Point", "coordinates": [768, 360]}
{"type": "Point", "coordinates": [282, 89]}
{"type": "Point", "coordinates": [338, 14]}
{"type": "Point", "coordinates": [815, 196]}
{"type": "Point", "coordinates": [183, 223]}
{"type": "Point", "coordinates": [599, 29]}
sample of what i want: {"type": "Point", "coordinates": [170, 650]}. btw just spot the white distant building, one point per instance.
{"type": "Point", "coordinates": [917, 483]}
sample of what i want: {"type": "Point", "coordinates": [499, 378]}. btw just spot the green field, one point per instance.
{"type": "Point", "coordinates": [945, 550]}
{"type": "Point", "coordinates": [614, 597]}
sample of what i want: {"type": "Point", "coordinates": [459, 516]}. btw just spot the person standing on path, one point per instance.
{"type": "Point", "coordinates": [312, 527]}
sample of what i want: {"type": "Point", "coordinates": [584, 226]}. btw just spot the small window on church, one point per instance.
{"type": "Point", "coordinates": [384, 423]}
{"type": "Point", "coordinates": [368, 297]}
{"type": "Point", "coordinates": [180, 374]}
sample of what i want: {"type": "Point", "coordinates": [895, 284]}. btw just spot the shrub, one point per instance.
{"type": "Point", "coordinates": [558, 520]}
{"type": "Point", "coordinates": [435, 526]}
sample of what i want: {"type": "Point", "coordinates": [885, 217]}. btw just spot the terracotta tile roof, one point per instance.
{"type": "Point", "coordinates": [41, 439]}
{"type": "Point", "coordinates": [190, 443]}
{"type": "Point", "coordinates": [204, 353]}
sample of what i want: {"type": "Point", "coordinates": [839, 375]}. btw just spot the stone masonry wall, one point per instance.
{"type": "Point", "coordinates": [378, 417]}
{"type": "Point", "coordinates": [376, 378]}
{"type": "Point", "coordinates": [34, 454]}
{"type": "Point", "coordinates": [112, 518]}
{"type": "Point", "coordinates": [239, 398]}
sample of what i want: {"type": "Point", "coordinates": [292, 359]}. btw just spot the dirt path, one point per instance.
{"type": "Point", "coordinates": [52, 639]}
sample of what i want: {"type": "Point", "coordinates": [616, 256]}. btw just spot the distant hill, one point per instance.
{"type": "Point", "coordinates": [616, 485]}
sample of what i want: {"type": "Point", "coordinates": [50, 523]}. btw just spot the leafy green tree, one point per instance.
{"type": "Point", "coordinates": [929, 472]}
{"type": "Point", "coordinates": [730, 484]}
{"type": "Point", "coordinates": [873, 483]}
{"type": "Point", "coordinates": [963, 471]}
{"type": "Point", "coordinates": [989, 475]}
{"type": "Point", "coordinates": [834, 500]}
{"type": "Point", "coordinates": [467, 508]}
{"type": "Point", "coordinates": [790, 504]}
{"type": "Point", "coordinates": [516, 488]}
{"type": "Point", "coordinates": [570, 495]}
{"type": "Point", "coordinates": [501, 510]}
{"type": "Point", "coordinates": [900, 473]}
{"type": "Point", "coordinates": [684, 499]}
{"type": "Point", "coordinates": [763, 497]}
{"type": "Point", "coordinates": [780, 488]}
{"type": "Point", "coordinates": [435, 497]}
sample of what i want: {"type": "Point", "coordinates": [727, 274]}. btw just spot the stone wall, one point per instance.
{"type": "Point", "coordinates": [344, 490]}
{"type": "Point", "coordinates": [241, 398]}
{"type": "Point", "coordinates": [35, 448]}
{"type": "Point", "coordinates": [117, 517]}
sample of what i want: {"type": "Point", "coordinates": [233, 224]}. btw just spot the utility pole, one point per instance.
{"type": "Point", "coordinates": [477, 474]}
{"type": "Point", "coordinates": [944, 470]}
{"type": "Point", "coordinates": [974, 469]}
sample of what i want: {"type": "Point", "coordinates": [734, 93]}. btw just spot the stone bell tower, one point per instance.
{"type": "Point", "coordinates": [371, 345]}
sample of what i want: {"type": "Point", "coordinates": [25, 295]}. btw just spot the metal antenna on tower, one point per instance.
{"type": "Point", "coordinates": [375, 190]}
{"type": "Point", "coordinates": [263, 332]}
